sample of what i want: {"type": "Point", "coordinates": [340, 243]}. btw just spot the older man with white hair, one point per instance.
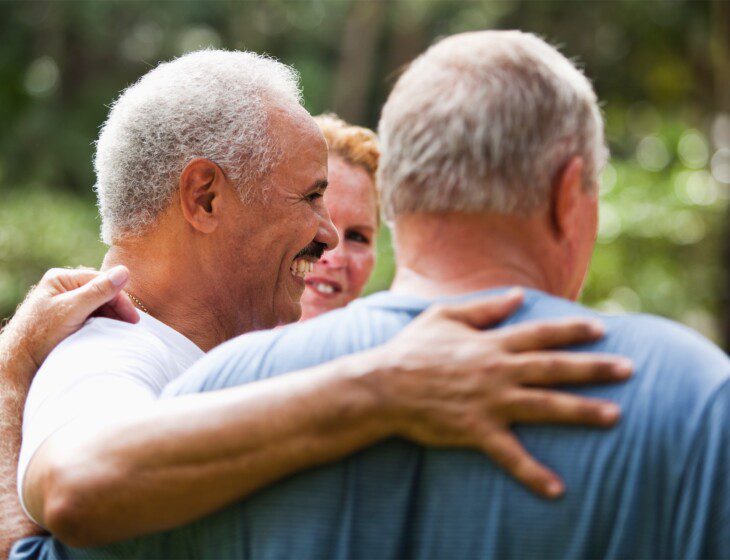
{"type": "Point", "coordinates": [210, 183]}
{"type": "Point", "coordinates": [492, 146]}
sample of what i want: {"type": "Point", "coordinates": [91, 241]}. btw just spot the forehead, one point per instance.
{"type": "Point", "coordinates": [302, 149]}
{"type": "Point", "coordinates": [297, 135]}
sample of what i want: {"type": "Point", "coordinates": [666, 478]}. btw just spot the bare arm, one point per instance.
{"type": "Point", "coordinates": [186, 457]}
{"type": "Point", "coordinates": [56, 308]}
{"type": "Point", "coordinates": [17, 370]}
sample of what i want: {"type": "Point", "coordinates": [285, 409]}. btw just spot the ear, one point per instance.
{"type": "Point", "coordinates": [567, 197]}
{"type": "Point", "coordinates": [202, 184]}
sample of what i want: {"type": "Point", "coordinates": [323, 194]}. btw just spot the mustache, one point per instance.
{"type": "Point", "coordinates": [314, 249]}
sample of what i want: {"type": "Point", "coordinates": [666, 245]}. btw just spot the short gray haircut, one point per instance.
{"type": "Point", "coordinates": [482, 122]}
{"type": "Point", "coordinates": [209, 103]}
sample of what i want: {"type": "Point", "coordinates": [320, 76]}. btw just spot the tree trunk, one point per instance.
{"type": "Point", "coordinates": [360, 41]}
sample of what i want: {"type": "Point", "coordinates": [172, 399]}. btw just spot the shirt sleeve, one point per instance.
{"type": "Point", "coordinates": [702, 515]}
{"type": "Point", "coordinates": [90, 380]}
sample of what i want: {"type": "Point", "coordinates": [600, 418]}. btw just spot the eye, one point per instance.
{"type": "Point", "coordinates": [311, 197]}
{"type": "Point", "coordinates": [357, 237]}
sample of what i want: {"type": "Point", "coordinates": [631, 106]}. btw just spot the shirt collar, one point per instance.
{"type": "Point", "coordinates": [414, 304]}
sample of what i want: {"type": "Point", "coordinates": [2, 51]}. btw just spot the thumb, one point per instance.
{"type": "Point", "coordinates": [98, 291]}
{"type": "Point", "coordinates": [484, 312]}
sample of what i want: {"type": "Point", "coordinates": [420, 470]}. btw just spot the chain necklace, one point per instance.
{"type": "Point", "coordinates": [137, 302]}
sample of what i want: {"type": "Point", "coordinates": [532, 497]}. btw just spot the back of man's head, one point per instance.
{"type": "Point", "coordinates": [212, 104]}
{"type": "Point", "coordinates": [482, 122]}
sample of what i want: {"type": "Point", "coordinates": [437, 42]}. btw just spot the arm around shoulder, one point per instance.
{"type": "Point", "coordinates": [185, 457]}
{"type": "Point", "coordinates": [438, 384]}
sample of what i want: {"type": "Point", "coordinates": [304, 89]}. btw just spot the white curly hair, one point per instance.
{"type": "Point", "coordinates": [208, 103]}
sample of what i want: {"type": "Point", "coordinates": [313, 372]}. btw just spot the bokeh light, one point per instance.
{"type": "Point", "coordinates": [42, 76]}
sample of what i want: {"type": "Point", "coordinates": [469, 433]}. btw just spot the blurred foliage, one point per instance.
{"type": "Point", "coordinates": [41, 228]}
{"type": "Point", "coordinates": [654, 65]}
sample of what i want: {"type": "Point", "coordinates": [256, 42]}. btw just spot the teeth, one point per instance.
{"type": "Point", "coordinates": [324, 288]}
{"type": "Point", "coordinates": [301, 267]}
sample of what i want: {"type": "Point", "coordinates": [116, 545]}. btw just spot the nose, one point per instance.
{"type": "Point", "coordinates": [326, 232]}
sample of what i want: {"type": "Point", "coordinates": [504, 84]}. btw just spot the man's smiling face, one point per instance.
{"type": "Point", "coordinates": [285, 227]}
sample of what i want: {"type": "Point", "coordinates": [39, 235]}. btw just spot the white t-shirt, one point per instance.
{"type": "Point", "coordinates": [105, 370]}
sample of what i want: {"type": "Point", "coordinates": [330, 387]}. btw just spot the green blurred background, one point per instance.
{"type": "Point", "coordinates": [661, 68]}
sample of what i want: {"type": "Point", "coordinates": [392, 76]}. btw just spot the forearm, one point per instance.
{"type": "Point", "coordinates": [192, 455]}
{"type": "Point", "coordinates": [16, 373]}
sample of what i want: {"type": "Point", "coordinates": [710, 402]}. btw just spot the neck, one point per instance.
{"type": "Point", "coordinates": [452, 254]}
{"type": "Point", "coordinates": [177, 299]}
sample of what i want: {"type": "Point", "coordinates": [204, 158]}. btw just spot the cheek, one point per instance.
{"type": "Point", "coordinates": [300, 231]}
{"type": "Point", "coordinates": [361, 265]}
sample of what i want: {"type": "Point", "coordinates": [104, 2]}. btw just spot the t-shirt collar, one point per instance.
{"type": "Point", "coordinates": [414, 304]}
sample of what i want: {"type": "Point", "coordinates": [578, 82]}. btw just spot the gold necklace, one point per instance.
{"type": "Point", "coordinates": [137, 302]}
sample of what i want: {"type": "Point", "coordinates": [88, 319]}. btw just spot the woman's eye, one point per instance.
{"type": "Point", "coordinates": [357, 237]}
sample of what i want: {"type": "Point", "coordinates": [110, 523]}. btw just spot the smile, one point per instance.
{"type": "Point", "coordinates": [323, 286]}
{"type": "Point", "coordinates": [301, 267]}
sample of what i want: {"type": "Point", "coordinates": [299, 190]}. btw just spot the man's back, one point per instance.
{"type": "Point", "coordinates": [655, 486]}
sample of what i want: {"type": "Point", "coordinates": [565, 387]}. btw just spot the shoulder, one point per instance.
{"type": "Point", "coordinates": [647, 339]}
{"type": "Point", "coordinates": [675, 367]}
{"type": "Point", "coordinates": [342, 331]}
{"type": "Point", "coordinates": [679, 376]}
{"type": "Point", "coordinates": [681, 382]}
{"type": "Point", "coordinates": [238, 361]}
{"type": "Point", "coordinates": [658, 344]}
{"type": "Point", "coordinates": [263, 354]}
{"type": "Point", "coordinates": [109, 333]}
{"type": "Point", "coordinates": [105, 368]}
{"type": "Point", "coordinates": [104, 341]}
{"type": "Point", "coordinates": [104, 346]}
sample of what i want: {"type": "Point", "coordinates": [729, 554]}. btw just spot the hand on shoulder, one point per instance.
{"type": "Point", "coordinates": [450, 383]}
{"type": "Point", "coordinates": [60, 304]}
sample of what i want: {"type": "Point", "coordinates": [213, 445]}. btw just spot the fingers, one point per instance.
{"type": "Point", "coordinates": [485, 311]}
{"type": "Point", "coordinates": [507, 452]}
{"type": "Point", "coordinates": [103, 290]}
{"type": "Point", "coordinates": [61, 280]}
{"type": "Point", "coordinates": [123, 309]}
{"type": "Point", "coordinates": [535, 406]}
{"type": "Point", "coordinates": [569, 368]}
{"type": "Point", "coordinates": [538, 335]}
{"type": "Point", "coordinates": [120, 308]}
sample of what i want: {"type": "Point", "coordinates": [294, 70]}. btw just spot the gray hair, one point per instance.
{"type": "Point", "coordinates": [482, 122]}
{"type": "Point", "coordinates": [209, 103]}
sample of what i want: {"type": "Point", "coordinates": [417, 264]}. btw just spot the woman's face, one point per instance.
{"type": "Point", "coordinates": [340, 275]}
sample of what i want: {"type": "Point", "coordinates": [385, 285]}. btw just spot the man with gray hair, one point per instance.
{"type": "Point", "coordinates": [210, 183]}
{"type": "Point", "coordinates": [492, 146]}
